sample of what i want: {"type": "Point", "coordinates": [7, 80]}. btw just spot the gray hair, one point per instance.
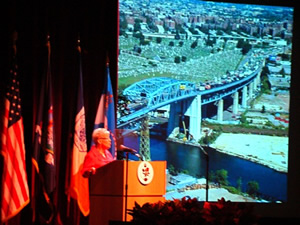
{"type": "Point", "coordinates": [100, 133]}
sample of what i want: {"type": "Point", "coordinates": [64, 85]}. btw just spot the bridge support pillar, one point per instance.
{"type": "Point", "coordinates": [220, 110]}
{"type": "Point", "coordinates": [257, 80]}
{"type": "Point", "coordinates": [251, 90]}
{"type": "Point", "coordinates": [173, 122]}
{"type": "Point", "coordinates": [145, 139]}
{"type": "Point", "coordinates": [235, 106]}
{"type": "Point", "coordinates": [194, 112]}
{"type": "Point", "coordinates": [244, 97]}
{"type": "Point", "coordinates": [255, 83]}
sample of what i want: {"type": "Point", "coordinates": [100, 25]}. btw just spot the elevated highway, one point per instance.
{"type": "Point", "coordinates": [151, 94]}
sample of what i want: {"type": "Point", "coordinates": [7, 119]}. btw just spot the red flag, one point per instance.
{"type": "Point", "coordinates": [79, 186]}
{"type": "Point", "coordinates": [15, 192]}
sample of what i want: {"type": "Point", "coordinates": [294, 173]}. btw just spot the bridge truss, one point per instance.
{"type": "Point", "coordinates": [156, 92]}
{"type": "Point", "coordinates": [153, 93]}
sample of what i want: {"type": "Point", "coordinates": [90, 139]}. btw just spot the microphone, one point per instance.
{"type": "Point", "coordinates": [124, 148]}
{"type": "Point", "coordinates": [139, 156]}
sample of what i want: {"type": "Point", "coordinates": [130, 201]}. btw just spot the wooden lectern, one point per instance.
{"type": "Point", "coordinates": [108, 195]}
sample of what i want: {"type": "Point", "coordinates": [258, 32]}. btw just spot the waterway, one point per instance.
{"type": "Point", "coordinates": [272, 184]}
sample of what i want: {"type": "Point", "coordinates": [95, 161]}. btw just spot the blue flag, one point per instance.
{"type": "Point", "coordinates": [105, 117]}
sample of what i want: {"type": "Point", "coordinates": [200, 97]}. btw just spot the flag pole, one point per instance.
{"type": "Point", "coordinates": [38, 147]}
{"type": "Point", "coordinates": [16, 197]}
{"type": "Point", "coordinates": [107, 60]}
{"type": "Point", "coordinates": [78, 187]}
{"type": "Point", "coordinates": [14, 45]}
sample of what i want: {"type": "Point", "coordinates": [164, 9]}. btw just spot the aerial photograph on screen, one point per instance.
{"type": "Point", "coordinates": [205, 86]}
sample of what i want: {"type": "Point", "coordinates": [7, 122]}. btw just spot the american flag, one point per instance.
{"type": "Point", "coordinates": [15, 192]}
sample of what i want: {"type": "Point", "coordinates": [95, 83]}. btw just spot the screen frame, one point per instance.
{"type": "Point", "coordinates": [291, 208]}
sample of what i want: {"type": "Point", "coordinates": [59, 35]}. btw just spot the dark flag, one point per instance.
{"type": "Point", "coordinates": [105, 116]}
{"type": "Point", "coordinates": [79, 186]}
{"type": "Point", "coordinates": [15, 192]}
{"type": "Point", "coordinates": [43, 158]}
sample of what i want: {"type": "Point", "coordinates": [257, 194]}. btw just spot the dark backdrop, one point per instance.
{"type": "Point", "coordinates": [96, 23]}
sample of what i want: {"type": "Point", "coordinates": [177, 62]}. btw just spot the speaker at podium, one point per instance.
{"type": "Point", "coordinates": [115, 187]}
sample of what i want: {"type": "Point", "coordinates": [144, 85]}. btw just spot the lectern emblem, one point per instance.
{"type": "Point", "coordinates": [145, 172]}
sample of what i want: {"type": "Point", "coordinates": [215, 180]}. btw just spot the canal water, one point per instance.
{"type": "Point", "coordinates": [272, 184]}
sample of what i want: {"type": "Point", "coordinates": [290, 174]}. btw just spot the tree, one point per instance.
{"type": "Point", "coordinates": [263, 109]}
{"type": "Point", "coordinates": [193, 31]}
{"type": "Point", "coordinates": [211, 175]}
{"type": "Point", "coordinates": [144, 42]}
{"type": "Point", "coordinates": [177, 59]}
{"type": "Point", "coordinates": [204, 30]}
{"type": "Point", "coordinates": [123, 23]}
{"type": "Point", "coordinates": [240, 43]}
{"type": "Point", "coordinates": [244, 45]}
{"type": "Point", "coordinates": [246, 48]}
{"type": "Point", "coordinates": [210, 42]}
{"type": "Point", "coordinates": [228, 29]}
{"type": "Point", "coordinates": [137, 49]}
{"type": "Point", "coordinates": [219, 32]}
{"type": "Point", "coordinates": [252, 188]}
{"type": "Point", "coordinates": [179, 29]}
{"type": "Point", "coordinates": [171, 43]}
{"type": "Point", "coordinates": [158, 40]}
{"type": "Point", "coordinates": [265, 83]}
{"type": "Point", "coordinates": [265, 71]}
{"type": "Point", "coordinates": [194, 44]}
{"type": "Point", "coordinates": [225, 42]}
{"type": "Point", "coordinates": [222, 177]}
{"type": "Point", "coordinates": [172, 170]}
{"type": "Point", "coordinates": [139, 35]}
{"type": "Point", "coordinates": [166, 27]}
{"type": "Point", "coordinates": [183, 58]}
{"type": "Point", "coordinates": [137, 27]}
{"type": "Point", "coordinates": [206, 140]}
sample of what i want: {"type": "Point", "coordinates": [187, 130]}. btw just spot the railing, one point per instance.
{"type": "Point", "coordinates": [157, 92]}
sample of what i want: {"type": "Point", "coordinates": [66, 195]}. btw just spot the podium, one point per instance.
{"type": "Point", "coordinates": [109, 197]}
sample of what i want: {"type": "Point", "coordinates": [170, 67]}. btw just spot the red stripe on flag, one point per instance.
{"type": "Point", "coordinates": [13, 160]}
{"type": "Point", "coordinates": [14, 178]}
{"type": "Point", "coordinates": [19, 156]}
